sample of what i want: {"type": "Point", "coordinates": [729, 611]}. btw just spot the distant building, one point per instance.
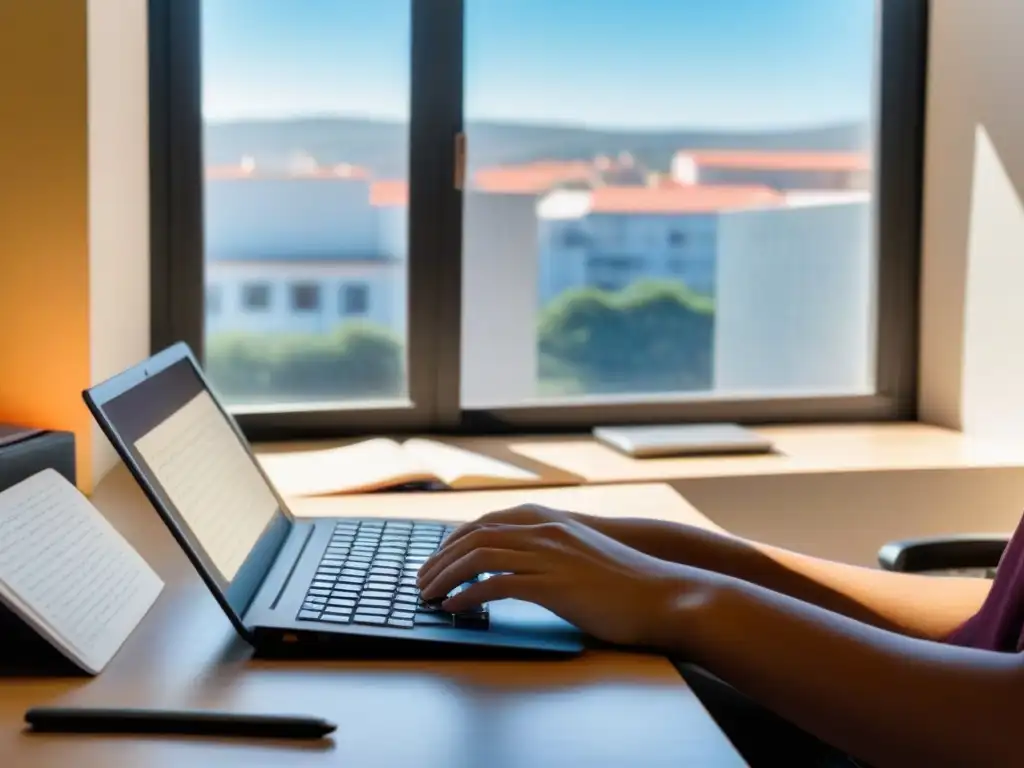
{"type": "Point", "coordinates": [780, 240]}
{"type": "Point", "coordinates": [297, 251]}
{"type": "Point", "coordinates": [611, 237]}
{"type": "Point", "coordinates": [783, 171]}
{"type": "Point", "coordinates": [795, 300]}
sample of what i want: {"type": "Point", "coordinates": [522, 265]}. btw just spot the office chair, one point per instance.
{"type": "Point", "coordinates": [975, 554]}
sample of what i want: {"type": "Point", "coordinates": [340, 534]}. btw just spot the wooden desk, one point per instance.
{"type": "Point", "coordinates": [808, 449]}
{"type": "Point", "coordinates": [603, 709]}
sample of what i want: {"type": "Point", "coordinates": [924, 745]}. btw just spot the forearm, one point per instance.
{"type": "Point", "coordinates": [919, 606]}
{"type": "Point", "coordinates": [882, 697]}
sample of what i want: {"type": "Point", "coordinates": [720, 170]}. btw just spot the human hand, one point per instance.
{"type": "Point", "coordinates": [603, 587]}
{"type": "Point", "coordinates": [524, 514]}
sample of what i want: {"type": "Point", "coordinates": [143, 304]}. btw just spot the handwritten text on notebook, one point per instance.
{"type": "Point", "coordinates": [65, 570]}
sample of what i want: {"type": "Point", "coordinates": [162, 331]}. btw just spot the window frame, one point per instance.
{"type": "Point", "coordinates": [434, 259]}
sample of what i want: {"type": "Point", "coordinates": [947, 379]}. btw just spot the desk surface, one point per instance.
{"type": "Point", "coordinates": [799, 449]}
{"type": "Point", "coordinates": [602, 709]}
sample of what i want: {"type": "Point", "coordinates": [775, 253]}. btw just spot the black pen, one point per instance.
{"type": "Point", "coordinates": [186, 723]}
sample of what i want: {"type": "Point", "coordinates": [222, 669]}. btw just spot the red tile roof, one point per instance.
{"type": "Point", "coordinates": [531, 178]}
{"type": "Point", "coordinates": [389, 193]}
{"type": "Point", "coordinates": [681, 199]}
{"type": "Point", "coordinates": [782, 161]}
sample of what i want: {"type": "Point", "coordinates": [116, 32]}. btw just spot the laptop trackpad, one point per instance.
{"type": "Point", "coordinates": [516, 617]}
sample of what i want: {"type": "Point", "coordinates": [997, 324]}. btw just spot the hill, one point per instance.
{"type": "Point", "coordinates": [382, 146]}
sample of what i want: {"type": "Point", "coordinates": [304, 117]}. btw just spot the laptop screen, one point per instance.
{"type": "Point", "coordinates": [197, 469]}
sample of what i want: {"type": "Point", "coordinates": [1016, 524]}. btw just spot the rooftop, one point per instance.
{"type": "Point", "coordinates": [531, 178]}
{"type": "Point", "coordinates": [681, 199]}
{"type": "Point", "coordinates": [781, 161]}
{"type": "Point", "coordinates": [249, 170]}
{"type": "Point", "coordinates": [389, 193]}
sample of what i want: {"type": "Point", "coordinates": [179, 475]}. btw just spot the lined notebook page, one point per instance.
{"type": "Point", "coordinates": [66, 571]}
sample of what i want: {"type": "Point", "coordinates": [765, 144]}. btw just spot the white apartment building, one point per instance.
{"type": "Point", "coordinates": [794, 292]}
{"type": "Point", "coordinates": [611, 237]}
{"type": "Point", "coordinates": [791, 271]}
{"type": "Point", "coordinates": [297, 253]}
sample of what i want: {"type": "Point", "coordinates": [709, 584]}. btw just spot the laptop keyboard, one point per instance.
{"type": "Point", "coordinates": [367, 576]}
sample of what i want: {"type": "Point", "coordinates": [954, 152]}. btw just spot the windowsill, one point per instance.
{"type": "Point", "coordinates": [800, 449]}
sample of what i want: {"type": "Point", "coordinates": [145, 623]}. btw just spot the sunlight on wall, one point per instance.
{"type": "Point", "coordinates": [994, 314]}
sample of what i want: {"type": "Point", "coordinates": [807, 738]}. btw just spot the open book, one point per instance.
{"type": "Point", "coordinates": [381, 463]}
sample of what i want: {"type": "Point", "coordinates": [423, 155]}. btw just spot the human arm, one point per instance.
{"type": "Point", "coordinates": [882, 697]}
{"type": "Point", "coordinates": [911, 604]}
{"type": "Point", "coordinates": [885, 698]}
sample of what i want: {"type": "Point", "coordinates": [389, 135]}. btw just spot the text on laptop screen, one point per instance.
{"type": "Point", "coordinates": [207, 474]}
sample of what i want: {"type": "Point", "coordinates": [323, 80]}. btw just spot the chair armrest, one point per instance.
{"type": "Point", "coordinates": [943, 553]}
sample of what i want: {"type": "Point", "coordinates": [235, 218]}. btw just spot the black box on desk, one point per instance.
{"type": "Point", "coordinates": [25, 452]}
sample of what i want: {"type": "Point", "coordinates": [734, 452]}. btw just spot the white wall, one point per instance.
{"type": "Point", "coordinates": [289, 218]}
{"type": "Point", "coordinates": [500, 303]}
{"type": "Point", "coordinates": [972, 343]}
{"type": "Point", "coordinates": [794, 304]}
{"type": "Point", "coordinates": [118, 195]}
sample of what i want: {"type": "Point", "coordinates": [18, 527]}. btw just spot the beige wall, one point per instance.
{"type": "Point", "coordinates": [118, 196]}
{"type": "Point", "coordinates": [972, 357]}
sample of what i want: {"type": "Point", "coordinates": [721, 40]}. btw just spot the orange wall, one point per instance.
{"type": "Point", "coordinates": [44, 254]}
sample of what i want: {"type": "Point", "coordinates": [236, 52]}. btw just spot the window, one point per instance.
{"type": "Point", "coordinates": [641, 132]}
{"type": "Point", "coordinates": [305, 297]}
{"type": "Point", "coordinates": [291, 199]}
{"type": "Point", "coordinates": [574, 238]}
{"type": "Point", "coordinates": [355, 299]}
{"type": "Point", "coordinates": [256, 297]}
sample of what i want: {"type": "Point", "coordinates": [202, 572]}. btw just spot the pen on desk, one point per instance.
{"type": "Point", "coordinates": [187, 723]}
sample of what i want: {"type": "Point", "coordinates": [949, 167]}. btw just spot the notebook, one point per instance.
{"type": "Point", "coordinates": [67, 573]}
{"type": "Point", "coordinates": [665, 440]}
{"type": "Point", "coordinates": [382, 463]}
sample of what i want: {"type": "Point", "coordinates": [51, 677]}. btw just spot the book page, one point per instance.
{"type": "Point", "coordinates": [365, 466]}
{"type": "Point", "coordinates": [66, 570]}
{"type": "Point", "coordinates": [209, 477]}
{"type": "Point", "coordinates": [459, 468]}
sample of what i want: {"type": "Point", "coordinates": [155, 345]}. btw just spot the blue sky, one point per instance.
{"type": "Point", "coordinates": [608, 63]}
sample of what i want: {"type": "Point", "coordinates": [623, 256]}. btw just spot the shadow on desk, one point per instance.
{"type": "Point", "coordinates": [27, 654]}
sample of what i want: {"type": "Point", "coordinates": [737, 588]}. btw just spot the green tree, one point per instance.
{"type": "Point", "coordinates": [354, 362]}
{"type": "Point", "coordinates": [652, 337]}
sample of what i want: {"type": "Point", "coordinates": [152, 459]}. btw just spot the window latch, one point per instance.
{"type": "Point", "coordinates": [460, 161]}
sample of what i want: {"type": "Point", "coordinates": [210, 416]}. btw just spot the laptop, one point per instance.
{"type": "Point", "coordinates": [292, 587]}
